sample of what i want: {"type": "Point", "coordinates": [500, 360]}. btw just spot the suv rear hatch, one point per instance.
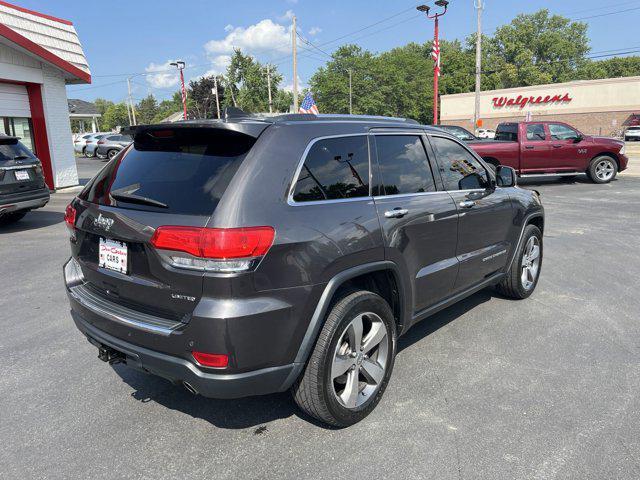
{"type": "Point", "coordinates": [20, 170]}
{"type": "Point", "coordinates": [170, 176]}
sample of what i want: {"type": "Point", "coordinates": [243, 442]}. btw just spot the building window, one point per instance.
{"type": "Point", "coordinates": [18, 127]}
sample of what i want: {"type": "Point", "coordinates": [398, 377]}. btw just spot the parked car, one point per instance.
{"type": "Point", "coordinates": [109, 146]}
{"type": "Point", "coordinates": [92, 145]}
{"type": "Point", "coordinates": [254, 255]}
{"type": "Point", "coordinates": [22, 185]}
{"type": "Point", "coordinates": [459, 132]}
{"type": "Point", "coordinates": [80, 142]}
{"type": "Point", "coordinates": [553, 148]}
{"type": "Point", "coordinates": [485, 133]}
{"type": "Point", "coordinates": [632, 134]}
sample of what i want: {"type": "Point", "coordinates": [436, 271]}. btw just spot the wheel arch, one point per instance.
{"type": "Point", "coordinates": [613, 156]}
{"type": "Point", "coordinates": [382, 277]}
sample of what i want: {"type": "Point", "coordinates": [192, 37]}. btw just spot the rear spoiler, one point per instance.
{"type": "Point", "coordinates": [6, 140]}
{"type": "Point", "coordinates": [251, 128]}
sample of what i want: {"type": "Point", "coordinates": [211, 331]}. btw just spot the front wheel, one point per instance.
{"type": "Point", "coordinates": [351, 363]}
{"type": "Point", "coordinates": [602, 169]}
{"type": "Point", "coordinates": [522, 277]}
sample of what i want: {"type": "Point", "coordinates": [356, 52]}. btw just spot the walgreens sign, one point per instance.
{"type": "Point", "coordinates": [521, 101]}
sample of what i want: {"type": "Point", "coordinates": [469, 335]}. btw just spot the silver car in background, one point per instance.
{"type": "Point", "coordinates": [111, 145]}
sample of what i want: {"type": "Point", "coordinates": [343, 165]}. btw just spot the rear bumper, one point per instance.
{"type": "Point", "coordinates": [24, 201]}
{"type": "Point", "coordinates": [181, 371]}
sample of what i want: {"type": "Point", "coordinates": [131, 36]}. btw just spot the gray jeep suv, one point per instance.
{"type": "Point", "coordinates": [249, 256]}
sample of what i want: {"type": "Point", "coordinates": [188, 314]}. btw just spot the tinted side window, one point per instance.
{"type": "Point", "coordinates": [334, 168]}
{"type": "Point", "coordinates": [460, 170]}
{"type": "Point", "coordinates": [507, 131]}
{"type": "Point", "coordinates": [113, 138]}
{"type": "Point", "coordinates": [403, 164]}
{"type": "Point", "coordinates": [561, 132]}
{"type": "Point", "coordinates": [535, 132]}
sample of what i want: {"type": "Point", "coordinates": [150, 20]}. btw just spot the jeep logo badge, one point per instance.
{"type": "Point", "coordinates": [103, 222]}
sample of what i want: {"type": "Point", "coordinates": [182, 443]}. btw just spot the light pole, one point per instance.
{"type": "Point", "coordinates": [435, 53]}
{"type": "Point", "coordinates": [179, 64]}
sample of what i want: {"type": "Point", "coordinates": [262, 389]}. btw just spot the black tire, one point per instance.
{"type": "Point", "coordinates": [596, 164]}
{"type": "Point", "coordinates": [84, 151]}
{"type": "Point", "coordinates": [512, 284]}
{"type": "Point", "coordinates": [13, 217]}
{"type": "Point", "coordinates": [314, 391]}
{"type": "Point", "coordinates": [111, 154]}
{"type": "Point", "coordinates": [89, 154]}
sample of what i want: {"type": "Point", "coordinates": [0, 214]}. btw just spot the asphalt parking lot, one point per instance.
{"type": "Point", "coordinates": [543, 388]}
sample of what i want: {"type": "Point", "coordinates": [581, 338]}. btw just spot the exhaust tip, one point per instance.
{"type": "Point", "coordinates": [189, 388]}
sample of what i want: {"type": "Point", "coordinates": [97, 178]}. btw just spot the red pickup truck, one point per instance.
{"type": "Point", "coordinates": [552, 148]}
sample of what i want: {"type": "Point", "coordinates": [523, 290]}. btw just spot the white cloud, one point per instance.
{"type": "Point", "coordinates": [165, 78]}
{"type": "Point", "coordinates": [288, 15]}
{"type": "Point", "coordinates": [228, 27]}
{"type": "Point", "coordinates": [264, 36]}
{"type": "Point", "coordinates": [301, 86]}
{"type": "Point", "coordinates": [314, 30]}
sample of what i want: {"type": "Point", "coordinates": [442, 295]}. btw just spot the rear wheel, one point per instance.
{"type": "Point", "coordinates": [602, 169]}
{"type": "Point", "coordinates": [89, 154]}
{"type": "Point", "coordinates": [111, 154]}
{"type": "Point", "coordinates": [522, 277]}
{"type": "Point", "coordinates": [351, 363]}
{"type": "Point", "coordinates": [9, 218]}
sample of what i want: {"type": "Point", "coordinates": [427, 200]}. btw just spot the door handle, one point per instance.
{"type": "Point", "coordinates": [467, 203]}
{"type": "Point", "coordinates": [557, 146]}
{"type": "Point", "coordinates": [396, 213]}
{"type": "Point", "coordinates": [529, 147]}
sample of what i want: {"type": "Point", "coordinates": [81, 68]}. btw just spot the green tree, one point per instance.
{"type": "Point", "coordinates": [247, 83]}
{"type": "Point", "coordinates": [203, 100]}
{"type": "Point", "coordinates": [147, 109]}
{"type": "Point", "coordinates": [538, 48]}
{"type": "Point", "coordinates": [115, 116]}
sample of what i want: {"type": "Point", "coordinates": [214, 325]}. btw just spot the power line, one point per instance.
{"type": "Point", "coordinates": [607, 14]}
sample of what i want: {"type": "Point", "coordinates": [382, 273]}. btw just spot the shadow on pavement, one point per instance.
{"type": "Point", "coordinates": [257, 411]}
{"type": "Point", "coordinates": [33, 220]}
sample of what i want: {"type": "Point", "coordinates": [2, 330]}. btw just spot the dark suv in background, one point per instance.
{"type": "Point", "coordinates": [249, 256]}
{"type": "Point", "coordinates": [22, 185]}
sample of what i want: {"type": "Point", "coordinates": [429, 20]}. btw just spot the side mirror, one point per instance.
{"type": "Point", "coordinates": [578, 139]}
{"type": "Point", "coordinates": [505, 176]}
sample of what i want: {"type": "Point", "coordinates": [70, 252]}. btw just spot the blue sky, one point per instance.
{"type": "Point", "coordinates": [138, 36]}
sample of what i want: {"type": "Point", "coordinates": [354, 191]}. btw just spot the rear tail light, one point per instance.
{"type": "Point", "coordinates": [70, 217]}
{"type": "Point", "coordinates": [215, 360]}
{"type": "Point", "coordinates": [214, 249]}
{"type": "Point", "coordinates": [100, 142]}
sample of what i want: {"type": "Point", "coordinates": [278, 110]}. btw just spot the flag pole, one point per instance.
{"type": "Point", "coordinates": [436, 74]}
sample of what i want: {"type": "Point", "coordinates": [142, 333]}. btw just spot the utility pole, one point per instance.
{"type": "Point", "coordinates": [179, 64]}
{"type": "Point", "coordinates": [269, 87]}
{"type": "Point", "coordinates": [215, 91]}
{"type": "Point", "coordinates": [435, 53]}
{"type": "Point", "coordinates": [133, 110]}
{"type": "Point", "coordinates": [479, 5]}
{"type": "Point", "coordinates": [350, 95]}
{"type": "Point", "coordinates": [294, 46]}
{"type": "Point", "coordinates": [129, 112]}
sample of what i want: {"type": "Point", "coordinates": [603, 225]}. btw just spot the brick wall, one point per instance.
{"type": "Point", "coordinates": [598, 123]}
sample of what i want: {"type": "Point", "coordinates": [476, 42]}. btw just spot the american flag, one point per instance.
{"type": "Point", "coordinates": [435, 55]}
{"type": "Point", "coordinates": [308, 105]}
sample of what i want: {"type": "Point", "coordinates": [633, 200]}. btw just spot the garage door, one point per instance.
{"type": "Point", "coordinates": [14, 101]}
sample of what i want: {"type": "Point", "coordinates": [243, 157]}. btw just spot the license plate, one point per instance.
{"type": "Point", "coordinates": [22, 175]}
{"type": "Point", "coordinates": [112, 255]}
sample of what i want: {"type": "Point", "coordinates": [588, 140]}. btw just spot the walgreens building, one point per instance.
{"type": "Point", "coordinates": [40, 55]}
{"type": "Point", "coordinates": [596, 107]}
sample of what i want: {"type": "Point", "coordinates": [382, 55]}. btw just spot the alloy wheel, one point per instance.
{"type": "Point", "coordinates": [360, 360]}
{"type": "Point", "coordinates": [530, 263]}
{"type": "Point", "coordinates": [605, 170]}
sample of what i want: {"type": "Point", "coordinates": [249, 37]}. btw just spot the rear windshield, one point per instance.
{"type": "Point", "coordinates": [181, 171]}
{"type": "Point", "coordinates": [507, 131]}
{"type": "Point", "coordinates": [13, 150]}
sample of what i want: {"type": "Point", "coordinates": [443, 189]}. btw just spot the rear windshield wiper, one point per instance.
{"type": "Point", "coordinates": [20, 157]}
{"type": "Point", "coordinates": [130, 198]}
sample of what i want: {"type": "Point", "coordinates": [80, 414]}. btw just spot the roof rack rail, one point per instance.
{"type": "Point", "coordinates": [295, 117]}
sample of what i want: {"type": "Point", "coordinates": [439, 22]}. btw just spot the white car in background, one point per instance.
{"type": "Point", "coordinates": [80, 142]}
{"type": "Point", "coordinates": [632, 134]}
{"type": "Point", "coordinates": [485, 133]}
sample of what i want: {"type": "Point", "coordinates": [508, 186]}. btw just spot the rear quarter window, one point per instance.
{"type": "Point", "coordinates": [334, 168]}
{"type": "Point", "coordinates": [188, 172]}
